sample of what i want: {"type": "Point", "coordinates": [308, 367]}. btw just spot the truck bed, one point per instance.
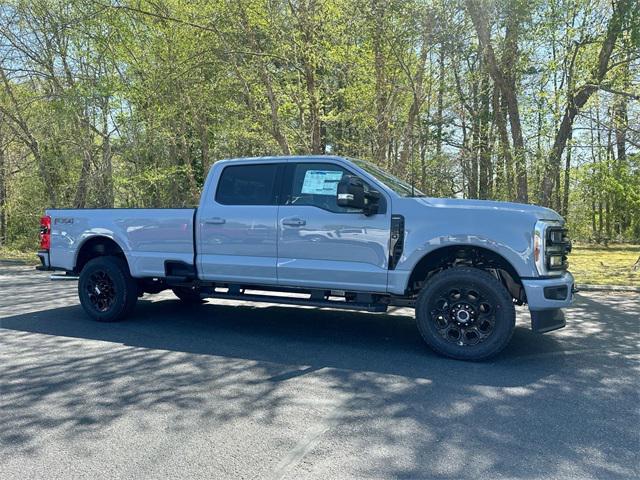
{"type": "Point", "coordinates": [147, 236]}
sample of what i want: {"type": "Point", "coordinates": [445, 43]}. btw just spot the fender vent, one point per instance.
{"type": "Point", "coordinates": [396, 242]}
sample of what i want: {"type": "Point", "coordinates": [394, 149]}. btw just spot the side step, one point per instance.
{"type": "Point", "coordinates": [343, 305]}
{"type": "Point", "coordinates": [63, 277]}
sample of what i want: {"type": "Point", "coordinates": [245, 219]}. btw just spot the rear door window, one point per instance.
{"type": "Point", "coordinates": [247, 185]}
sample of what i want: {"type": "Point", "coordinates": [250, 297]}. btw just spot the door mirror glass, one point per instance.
{"type": "Point", "coordinates": [352, 193]}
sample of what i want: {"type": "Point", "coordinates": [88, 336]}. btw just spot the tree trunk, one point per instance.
{"type": "Point", "coordinates": [511, 99]}
{"type": "Point", "coordinates": [440, 107]}
{"type": "Point", "coordinates": [23, 132]}
{"type": "Point", "coordinates": [306, 12]}
{"type": "Point", "coordinates": [484, 151]}
{"type": "Point", "coordinates": [381, 92]}
{"type": "Point", "coordinates": [620, 122]}
{"type": "Point", "coordinates": [579, 98]}
{"type": "Point", "coordinates": [505, 149]}
{"type": "Point", "coordinates": [3, 186]}
{"type": "Point", "coordinates": [80, 199]}
{"type": "Point", "coordinates": [276, 128]}
{"type": "Point", "coordinates": [108, 196]}
{"type": "Point", "coordinates": [187, 160]}
{"type": "Point", "coordinates": [499, 186]}
{"type": "Point", "coordinates": [82, 126]}
{"type": "Point", "coordinates": [406, 153]}
{"type": "Point", "coordinates": [475, 142]}
{"type": "Point", "coordinates": [107, 200]}
{"type": "Point", "coordinates": [276, 125]}
{"type": "Point", "coordinates": [204, 144]}
{"type": "Point", "coordinates": [314, 110]}
{"type": "Point", "coordinates": [425, 137]}
{"type": "Point", "coordinates": [567, 173]}
{"type": "Point", "coordinates": [506, 83]}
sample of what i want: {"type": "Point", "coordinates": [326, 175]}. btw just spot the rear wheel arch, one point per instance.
{"type": "Point", "coordinates": [98, 246]}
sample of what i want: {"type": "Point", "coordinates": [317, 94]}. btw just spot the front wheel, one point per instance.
{"type": "Point", "coordinates": [465, 313]}
{"type": "Point", "coordinates": [107, 290]}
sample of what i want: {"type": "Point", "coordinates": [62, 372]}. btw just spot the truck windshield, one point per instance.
{"type": "Point", "coordinates": [401, 188]}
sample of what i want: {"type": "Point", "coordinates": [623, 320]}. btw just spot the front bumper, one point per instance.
{"type": "Point", "coordinates": [546, 297]}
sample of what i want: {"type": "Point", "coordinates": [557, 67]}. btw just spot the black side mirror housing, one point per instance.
{"type": "Point", "coordinates": [352, 194]}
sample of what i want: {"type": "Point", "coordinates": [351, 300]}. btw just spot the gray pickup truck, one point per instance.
{"type": "Point", "coordinates": [331, 232]}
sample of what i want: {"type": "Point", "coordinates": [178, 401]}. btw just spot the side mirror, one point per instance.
{"type": "Point", "coordinates": [352, 194]}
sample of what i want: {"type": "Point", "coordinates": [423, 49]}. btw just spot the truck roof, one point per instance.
{"type": "Point", "coordinates": [285, 157]}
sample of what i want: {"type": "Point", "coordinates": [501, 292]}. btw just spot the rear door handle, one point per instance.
{"type": "Point", "coordinates": [294, 222]}
{"type": "Point", "coordinates": [215, 221]}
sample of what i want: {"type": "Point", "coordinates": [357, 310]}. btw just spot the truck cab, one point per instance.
{"type": "Point", "coordinates": [331, 232]}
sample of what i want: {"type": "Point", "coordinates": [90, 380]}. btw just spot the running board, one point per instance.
{"type": "Point", "coordinates": [246, 297]}
{"type": "Point", "coordinates": [62, 277]}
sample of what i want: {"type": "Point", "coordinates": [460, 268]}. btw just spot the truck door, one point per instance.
{"type": "Point", "coordinates": [237, 236]}
{"type": "Point", "coordinates": [323, 245]}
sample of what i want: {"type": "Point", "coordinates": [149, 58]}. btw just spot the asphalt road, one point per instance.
{"type": "Point", "coordinates": [229, 390]}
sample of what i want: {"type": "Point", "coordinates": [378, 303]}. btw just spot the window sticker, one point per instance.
{"type": "Point", "coordinates": [321, 182]}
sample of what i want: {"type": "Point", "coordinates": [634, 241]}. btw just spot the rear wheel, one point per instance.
{"type": "Point", "coordinates": [465, 313]}
{"type": "Point", "coordinates": [107, 290]}
{"type": "Point", "coordinates": [188, 295]}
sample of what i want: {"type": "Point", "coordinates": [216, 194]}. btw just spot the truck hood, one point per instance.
{"type": "Point", "coordinates": [538, 213]}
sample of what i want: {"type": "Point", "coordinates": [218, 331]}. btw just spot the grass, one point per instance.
{"type": "Point", "coordinates": [590, 264]}
{"type": "Point", "coordinates": [600, 265]}
{"type": "Point", "coordinates": [13, 255]}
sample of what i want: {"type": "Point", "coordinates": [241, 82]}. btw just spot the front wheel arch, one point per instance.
{"type": "Point", "coordinates": [458, 256]}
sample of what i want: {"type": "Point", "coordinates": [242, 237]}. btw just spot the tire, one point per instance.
{"type": "Point", "coordinates": [465, 313]}
{"type": "Point", "coordinates": [107, 291]}
{"type": "Point", "coordinates": [188, 295]}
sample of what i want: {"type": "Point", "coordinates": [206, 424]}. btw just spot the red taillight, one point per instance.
{"type": "Point", "coordinates": [45, 232]}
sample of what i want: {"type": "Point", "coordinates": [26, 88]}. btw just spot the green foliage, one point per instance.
{"type": "Point", "coordinates": [128, 103]}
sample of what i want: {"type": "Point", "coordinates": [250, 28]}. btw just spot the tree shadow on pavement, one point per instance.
{"type": "Point", "coordinates": [507, 416]}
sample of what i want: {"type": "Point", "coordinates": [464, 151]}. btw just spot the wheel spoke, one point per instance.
{"type": "Point", "coordinates": [100, 291]}
{"type": "Point", "coordinates": [471, 336]}
{"type": "Point", "coordinates": [452, 333]}
{"type": "Point", "coordinates": [463, 316]}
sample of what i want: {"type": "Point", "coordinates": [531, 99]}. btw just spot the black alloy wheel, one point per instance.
{"type": "Point", "coordinates": [463, 316]}
{"type": "Point", "coordinates": [100, 290]}
{"type": "Point", "coordinates": [465, 313]}
{"type": "Point", "coordinates": [107, 290]}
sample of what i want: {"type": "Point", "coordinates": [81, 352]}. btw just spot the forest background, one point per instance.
{"type": "Point", "coordinates": [127, 103]}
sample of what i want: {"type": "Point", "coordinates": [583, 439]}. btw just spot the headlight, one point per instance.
{"type": "Point", "coordinates": [555, 261]}
{"type": "Point", "coordinates": [550, 248]}
{"type": "Point", "coordinates": [555, 235]}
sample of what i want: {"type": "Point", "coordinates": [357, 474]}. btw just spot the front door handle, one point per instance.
{"type": "Point", "coordinates": [215, 221]}
{"type": "Point", "coordinates": [294, 222]}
